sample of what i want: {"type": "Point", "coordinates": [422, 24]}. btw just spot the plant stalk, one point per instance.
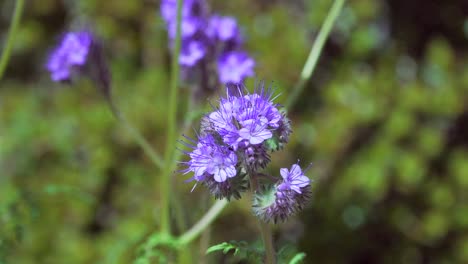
{"type": "Point", "coordinates": [315, 52]}
{"type": "Point", "coordinates": [11, 36]}
{"type": "Point", "coordinates": [165, 185]}
{"type": "Point", "coordinates": [137, 136]}
{"type": "Point", "coordinates": [270, 255]}
{"type": "Point", "coordinates": [203, 223]}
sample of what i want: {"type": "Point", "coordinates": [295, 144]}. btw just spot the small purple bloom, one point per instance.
{"type": "Point", "coordinates": [72, 52]}
{"type": "Point", "coordinates": [293, 179]}
{"type": "Point", "coordinates": [278, 202]}
{"type": "Point", "coordinates": [235, 66]}
{"type": "Point", "coordinates": [189, 27]}
{"type": "Point", "coordinates": [255, 131]}
{"type": "Point", "coordinates": [209, 159]}
{"type": "Point", "coordinates": [224, 28]}
{"type": "Point", "coordinates": [191, 53]}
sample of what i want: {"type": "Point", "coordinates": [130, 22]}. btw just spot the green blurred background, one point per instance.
{"type": "Point", "coordinates": [384, 119]}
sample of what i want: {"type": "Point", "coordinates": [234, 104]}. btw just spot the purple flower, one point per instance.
{"type": "Point", "coordinates": [216, 166]}
{"type": "Point", "coordinates": [293, 179]}
{"type": "Point", "coordinates": [210, 159]}
{"type": "Point", "coordinates": [234, 67]}
{"type": "Point", "coordinates": [72, 52]}
{"type": "Point", "coordinates": [243, 120]}
{"type": "Point", "coordinates": [169, 9]}
{"type": "Point", "coordinates": [224, 28]}
{"type": "Point", "coordinates": [189, 27]}
{"type": "Point", "coordinates": [278, 202]}
{"type": "Point", "coordinates": [191, 53]}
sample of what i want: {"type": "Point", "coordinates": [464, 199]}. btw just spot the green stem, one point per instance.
{"type": "Point", "coordinates": [270, 255]}
{"type": "Point", "coordinates": [11, 35]}
{"type": "Point", "coordinates": [315, 52]}
{"type": "Point", "coordinates": [141, 141]}
{"type": "Point", "coordinates": [144, 144]}
{"type": "Point", "coordinates": [203, 223]}
{"type": "Point", "coordinates": [165, 185]}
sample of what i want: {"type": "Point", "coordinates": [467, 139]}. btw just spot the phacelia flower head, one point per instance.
{"type": "Point", "coordinates": [235, 66]}
{"type": "Point", "coordinates": [246, 119]}
{"type": "Point", "coordinates": [235, 142]}
{"type": "Point", "coordinates": [280, 201]}
{"type": "Point", "coordinates": [71, 53]}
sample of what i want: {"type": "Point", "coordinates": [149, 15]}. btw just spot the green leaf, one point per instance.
{"type": "Point", "coordinates": [242, 250]}
{"type": "Point", "coordinates": [298, 258]}
{"type": "Point", "coordinates": [225, 247]}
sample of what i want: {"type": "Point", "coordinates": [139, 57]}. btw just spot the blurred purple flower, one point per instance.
{"type": "Point", "coordinates": [235, 66]}
{"type": "Point", "coordinates": [224, 28]}
{"type": "Point", "coordinates": [169, 9]}
{"type": "Point", "coordinates": [71, 52]}
{"type": "Point", "coordinates": [214, 37]}
{"type": "Point", "coordinates": [191, 53]}
{"type": "Point", "coordinates": [190, 26]}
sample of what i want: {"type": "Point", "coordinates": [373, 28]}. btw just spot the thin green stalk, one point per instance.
{"type": "Point", "coordinates": [11, 36]}
{"type": "Point", "coordinates": [270, 255]}
{"type": "Point", "coordinates": [203, 223]}
{"type": "Point", "coordinates": [205, 241]}
{"type": "Point", "coordinates": [165, 185]}
{"type": "Point", "coordinates": [137, 136]}
{"type": "Point", "coordinates": [315, 52]}
{"type": "Point", "coordinates": [144, 144]}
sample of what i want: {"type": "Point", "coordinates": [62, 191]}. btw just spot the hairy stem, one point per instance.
{"type": "Point", "coordinates": [165, 185]}
{"type": "Point", "coordinates": [315, 52]}
{"type": "Point", "coordinates": [270, 255]}
{"type": "Point", "coordinates": [11, 36]}
{"type": "Point", "coordinates": [203, 223]}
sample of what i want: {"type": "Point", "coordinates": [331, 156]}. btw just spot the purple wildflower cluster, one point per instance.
{"type": "Point", "coordinates": [211, 44]}
{"type": "Point", "coordinates": [234, 144]}
{"type": "Point", "coordinates": [72, 53]}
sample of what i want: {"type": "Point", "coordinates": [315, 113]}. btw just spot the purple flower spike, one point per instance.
{"type": "Point", "coordinates": [191, 53]}
{"type": "Point", "coordinates": [234, 66]}
{"type": "Point", "coordinates": [72, 52]}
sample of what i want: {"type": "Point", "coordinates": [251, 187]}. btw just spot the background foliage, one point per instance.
{"type": "Point", "coordinates": [384, 119]}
